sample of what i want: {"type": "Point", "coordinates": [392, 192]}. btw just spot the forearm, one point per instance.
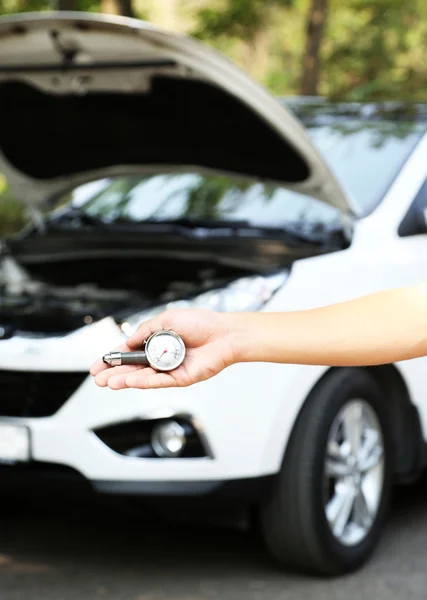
{"type": "Point", "coordinates": [376, 329]}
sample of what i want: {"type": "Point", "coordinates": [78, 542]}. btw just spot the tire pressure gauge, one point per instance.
{"type": "Point", "coordinates": [164, 350]}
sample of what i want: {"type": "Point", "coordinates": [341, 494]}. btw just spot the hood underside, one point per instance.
{"type": "Point", "coordinates": [87, 96]}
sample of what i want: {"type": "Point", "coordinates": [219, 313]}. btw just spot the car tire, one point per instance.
{"type": "Point", "coordinates": [302, 521]}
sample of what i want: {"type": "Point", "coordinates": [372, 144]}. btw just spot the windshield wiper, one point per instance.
{"type": "Point", "coordinates": [199, 222]}
{"type": "Point", "coordinates": [291, 233]}
{"type": "Point", "coordinates": [208, 227]}
{"type": "Point", "coordinates": [78, 216]}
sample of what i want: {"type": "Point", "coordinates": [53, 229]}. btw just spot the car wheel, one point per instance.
{"type": "Point", "coordinates": [327, 511]}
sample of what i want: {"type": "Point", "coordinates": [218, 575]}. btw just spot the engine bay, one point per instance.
{"type": "Point", "coordinates": [56, 298]}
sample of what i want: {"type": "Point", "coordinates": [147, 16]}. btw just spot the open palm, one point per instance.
{"type": "Point", "coordinates": [209, 350]}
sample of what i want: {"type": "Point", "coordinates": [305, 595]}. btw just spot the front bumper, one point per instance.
{"type": "Point", "coordinates": [246, 415]}
{"type": "Point", "coordinates": [47, 476]}
{"type": "Point", "coordinates": [235, 434]}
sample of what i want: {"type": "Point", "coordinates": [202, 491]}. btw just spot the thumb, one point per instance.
{"type": "Point", "coordinates": [143, 332]}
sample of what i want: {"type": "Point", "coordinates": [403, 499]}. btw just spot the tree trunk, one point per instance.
{"type": "Point", "coordinates": [65, 5]}
{"type": "Point", "coordinates": [126, 8]}
{"type": "Point", "coordinates": [314, 32]}
{"type": "Point", "coordinates": [117, 7]}
{"type": "Point", "coordinates": [111, 7]}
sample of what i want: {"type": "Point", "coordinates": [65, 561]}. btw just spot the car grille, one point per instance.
{"type": "Point", "coordinates": [35, 393]}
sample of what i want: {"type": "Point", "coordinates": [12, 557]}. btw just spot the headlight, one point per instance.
{"type": "Point", "coordinates": [245, 294]}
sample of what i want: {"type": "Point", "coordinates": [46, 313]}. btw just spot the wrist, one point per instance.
{"type": "Point", "coordinates": [239, 334]}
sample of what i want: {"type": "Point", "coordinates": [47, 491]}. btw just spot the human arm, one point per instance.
{"type": "Point", "coordinates": [378, 328]}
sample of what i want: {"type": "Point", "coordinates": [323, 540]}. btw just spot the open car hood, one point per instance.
{"type": "Point", "coordinates": [85, 96]}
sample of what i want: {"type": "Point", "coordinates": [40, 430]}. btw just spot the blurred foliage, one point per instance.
{"type": "Point", "coordinates": [369, 50]}
{"type": "Point", "coordinates": [204, 198]}
{"type": "Point", "coordinates": [376, 50]}
{"type": "Point", "coordinates": [12, 213]}
{"type": "Point", "coordinates": [247, 21]}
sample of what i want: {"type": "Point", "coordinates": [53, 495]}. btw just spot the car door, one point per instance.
{"type": "Point", "coordinates": [404, 216]}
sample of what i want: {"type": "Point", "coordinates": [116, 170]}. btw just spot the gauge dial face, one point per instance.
{"type": "Point", "coordinates": [165, 350]}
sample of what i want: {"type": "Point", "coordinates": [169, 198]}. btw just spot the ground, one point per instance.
{"type": "Point", "coordinates": [81, 547]}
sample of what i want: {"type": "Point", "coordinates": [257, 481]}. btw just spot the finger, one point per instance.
{"type": "Point", "coordinates": [150, 379]}
{"type": "Point", "coordinates": [144, 331]}
{"type": "Point", "coordinates": [100, 365]}
{"type": "Point", "coordinates": [102, 377]}
{"type": "Point", "coordinates": [97, 367]}
{"type": "Point", "coordinates": [117, 380]}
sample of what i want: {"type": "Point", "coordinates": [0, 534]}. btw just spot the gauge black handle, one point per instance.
{"type": "Point", "coordinates": [134, 358]}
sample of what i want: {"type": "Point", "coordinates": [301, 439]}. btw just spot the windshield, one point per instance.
{"type": "Point", "coordinates": [170, 196]}
{"type": "Point", "coordinates": [365, 157]}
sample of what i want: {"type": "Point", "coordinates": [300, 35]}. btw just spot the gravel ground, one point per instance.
{"type": "Point", "coordinates": [80, 546]}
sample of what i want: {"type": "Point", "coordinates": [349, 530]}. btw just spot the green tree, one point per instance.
{"type": "Point", "coordinates": [249, 21]}
{"type": "Point", "coordinates": [17, 6]}
{"type": "Point", "coordinates": [315, 27]}
{"type": "Point", "coordinates": [119, 7]}
{"type": "Point", "coordinates": [376, 50]}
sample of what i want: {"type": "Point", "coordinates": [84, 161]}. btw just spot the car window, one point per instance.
{"type": "Point", "coordinates": [415, 220]}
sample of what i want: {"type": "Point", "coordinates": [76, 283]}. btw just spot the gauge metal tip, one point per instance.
{"type": "Point", "coordinates": [107, 358]}
{"type": "Point", "coordinates": [113, 359]}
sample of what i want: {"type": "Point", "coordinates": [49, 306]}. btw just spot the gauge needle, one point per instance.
{"type": "Point", "coordinates": [164, 352]}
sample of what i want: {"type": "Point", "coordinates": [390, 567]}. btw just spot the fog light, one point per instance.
{"type": "Point", "coordinates": [168, 439]}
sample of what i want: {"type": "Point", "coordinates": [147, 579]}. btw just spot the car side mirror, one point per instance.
{"type": "Point", "coordinates": [415, 221]}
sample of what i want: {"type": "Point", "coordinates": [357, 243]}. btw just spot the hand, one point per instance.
{"type": "Point", "coordinates": [209, 350]}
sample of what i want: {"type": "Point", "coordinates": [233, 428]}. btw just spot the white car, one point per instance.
{"type": "Point", "coordinates": [176, 180]}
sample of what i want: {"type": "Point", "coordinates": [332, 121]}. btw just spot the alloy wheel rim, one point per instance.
{"type": "Point", "coordinates": [354, 472]}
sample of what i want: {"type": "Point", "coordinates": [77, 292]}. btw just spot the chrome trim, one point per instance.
{"type": "Point", "coordinates": [113, 359]}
